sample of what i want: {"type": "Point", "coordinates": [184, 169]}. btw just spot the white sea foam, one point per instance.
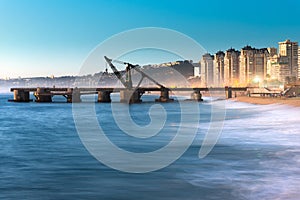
{"type": "Point", "coordinates": [257, 156]}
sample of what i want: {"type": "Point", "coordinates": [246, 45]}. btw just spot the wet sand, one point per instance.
{"type": "Point", "coordinates": [269, 100]}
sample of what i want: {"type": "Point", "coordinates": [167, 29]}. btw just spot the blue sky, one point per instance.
{"type": "Point", "coordinates": [45, 37]}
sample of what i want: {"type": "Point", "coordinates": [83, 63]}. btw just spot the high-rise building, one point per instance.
{"type": "Point", "coordinates": [272, 51]}
{"type": "Point", "coordinates": [219, 68]}
{"type": "Point", "coordinates": [272, 67]}
{"type": "Point", "coordinates": [231, 67]}
{"type": "Point", "coordinates": [289, 50]}
{"type": "Point", "coordinates": [272, 58]}
{"type": "Point", "coordinates": [197, 68]}
{"type": "Point", "coordinates": [253, 64]}
{"type": "Point", "coordinates": [278, 68]}
{"type": "Point", "coordinates": [207, 70]}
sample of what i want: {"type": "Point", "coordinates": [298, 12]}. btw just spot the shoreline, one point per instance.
{"type": "Point", "coordinates": [268, 100]}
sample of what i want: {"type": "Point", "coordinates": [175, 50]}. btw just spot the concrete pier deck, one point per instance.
{"type": "Point", "coordinates": [72, 95]}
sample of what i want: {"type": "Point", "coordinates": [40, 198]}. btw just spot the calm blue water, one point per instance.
{"type": "Point", "coordinates": [42, 157]}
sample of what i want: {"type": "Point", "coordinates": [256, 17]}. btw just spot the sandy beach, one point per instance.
{"type": "Point", "coordinates": [268, 100]}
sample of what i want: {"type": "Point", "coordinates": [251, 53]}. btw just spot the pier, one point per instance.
{"type": "Point", "coordinates": [73, 95]}
{"type": "Point", "coordinates": [128, 94]}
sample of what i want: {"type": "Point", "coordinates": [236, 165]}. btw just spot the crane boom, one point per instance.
{"type": "Point", "coordinates": [116, 72]}
{"type": "Point", "coordinates": [145, 75]}
{"type": "Point", "coordinates": [128, 83]}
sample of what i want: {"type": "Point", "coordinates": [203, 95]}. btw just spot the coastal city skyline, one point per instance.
{"type": "Point", "coordinates": [247, 66]}
{"type": "Point", "coordinates": [251, 65]}
{"type": "Point", "coordinates": [173, 59]}
{"type": "Point", "coordinates": [54, 37]}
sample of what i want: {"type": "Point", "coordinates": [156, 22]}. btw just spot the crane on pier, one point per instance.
{"type": "Point", "coordinates": [128, 81]}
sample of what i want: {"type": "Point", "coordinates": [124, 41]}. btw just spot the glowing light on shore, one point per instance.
{"type": "Point", "coordinates": [256, 79]}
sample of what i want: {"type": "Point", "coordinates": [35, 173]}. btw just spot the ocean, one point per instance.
{"type": "Point", "coordinates": [42, 156]}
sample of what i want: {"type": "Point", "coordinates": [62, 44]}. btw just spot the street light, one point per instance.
{"type": "Point", "coordinates": [256, 80]}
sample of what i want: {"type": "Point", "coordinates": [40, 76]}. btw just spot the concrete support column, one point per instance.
{"type": "Point", "coordinates": [73, 95]}
{"type": "Point", "coordinates": [104, 96]}
{"type": "Point", "coordinates": [130, 96]}
{"type": "Point", "coordinates": [69, 98]}
{"type": "Point", "coordinates": [21, 96]}
{"type": "Point", "coordinates": [228, 92]}
{"type": "Point", "coordinates": [76, 98]}
{"type": "Point", "coordinates": [196, 96]}
{"type": "Point", "coordinates": [43, 95]}
{"type": "Point", "coordinates": [164, 96]}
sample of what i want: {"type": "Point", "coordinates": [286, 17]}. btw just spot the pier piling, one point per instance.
{"type": "Point", "coordinates": [21, 96]}
{"type": "Point", "coordinates": [104, 97]}
{"type": "Point", "coordinates": [196, 95]}
{"type": "Point", "coordinates": [73, 95]}
{"type": "Point", "coordinates": [43, 95]}
{"type": "Point", "coordinates": [229, 93]}
{"type": "Point", "coordinates": [130, 96]}
{"type": "Point", "coordinates": [164, 96]}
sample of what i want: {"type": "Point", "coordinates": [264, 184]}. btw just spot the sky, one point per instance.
{"type": "Point", "coordinates": [54, 37]}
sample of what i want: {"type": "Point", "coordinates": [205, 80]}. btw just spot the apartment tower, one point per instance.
{"type": "Point", "coordinates": [231, 67]}
{"type": "Point", "coordinates": [207, 70]}
{"type": "Point", "coordinates": [289, 50]}
{"type": "Point", "coordinates": [219, 68]}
